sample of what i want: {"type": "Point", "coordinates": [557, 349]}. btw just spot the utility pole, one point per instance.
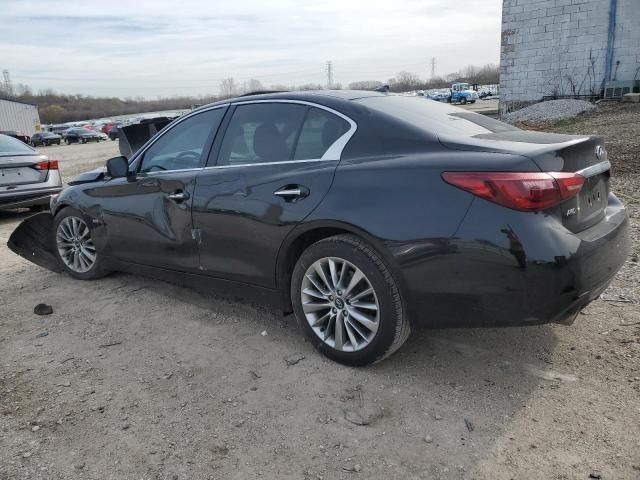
{"type": "Point", "coordinates": [329, 75]}
{"type": "Point", "coordinates": [7, 82]}
{"type": "Point", "coordinates": [433, 67]}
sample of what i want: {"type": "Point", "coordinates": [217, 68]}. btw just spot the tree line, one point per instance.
{"type": "Point", "coordinates": [60, 108]}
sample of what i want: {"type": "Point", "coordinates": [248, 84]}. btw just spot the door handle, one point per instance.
{"type": "Point", "coordinates": [178, 196]}
{"type": "Point", "coordinates": [292, 193]}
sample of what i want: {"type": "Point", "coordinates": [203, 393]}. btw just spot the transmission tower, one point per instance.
{"type": "Point", "coordinates": [433, 67]}
{"type": "Point", "coordinates": [329, 75]}
{"type": "Point", "coordinates": [7, 82]}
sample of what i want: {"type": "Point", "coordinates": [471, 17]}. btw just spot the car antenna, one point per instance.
{"type": "Point", "coordinates": [383, 88]}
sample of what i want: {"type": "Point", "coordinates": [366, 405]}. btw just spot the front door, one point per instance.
{"type": "Point", "coordinates": [274, 165]}
{"type": "Point", "coordinates": [147, 218]}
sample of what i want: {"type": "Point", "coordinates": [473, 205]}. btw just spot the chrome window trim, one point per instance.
{"type": "Point", "coordinates": [596, 169]}
{"type": "Point", "coordinates": [168, 128]}
{"type": "Point", "coordinates": [217, 167]}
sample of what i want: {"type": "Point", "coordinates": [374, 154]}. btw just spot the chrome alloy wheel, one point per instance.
{"type": "Point", "coordinates": [75, 246]}
{"type": "Point", "coordinates": [340, 304]}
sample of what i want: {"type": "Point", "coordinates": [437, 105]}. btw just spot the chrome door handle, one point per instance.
{"type": "Point", "coordinates": [288, 193]}
{"type": "Point", "coordinates": [178, 196]}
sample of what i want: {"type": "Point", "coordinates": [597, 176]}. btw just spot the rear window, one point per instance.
{"type": "Point", "coordinates": [12, 145]}
{"type": "Point", "coordinates": [435, 117]}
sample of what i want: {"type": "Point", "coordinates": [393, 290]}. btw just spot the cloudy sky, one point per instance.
{"type": "Point", "coordinates": [156, 48]}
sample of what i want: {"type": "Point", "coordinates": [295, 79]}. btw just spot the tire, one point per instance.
{"type": "Point", "coordinates": [62, 231]}
{"type": "Point", "coordinates": [463, 101]}
{"type": "Point", "coordinates": [83, 141]}
{"type": "Point", "coordinates": [392, 328]}
{"type": "Point", "coordinates": [67, 141]}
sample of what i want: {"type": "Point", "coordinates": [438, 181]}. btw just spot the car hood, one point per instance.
{"type": "Point", "coordinates": [90, 176]}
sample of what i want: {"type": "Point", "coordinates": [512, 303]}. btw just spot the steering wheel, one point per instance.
{"type": "Point", "coordinates": [188, 157]}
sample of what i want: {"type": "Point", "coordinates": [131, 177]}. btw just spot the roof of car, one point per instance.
{"type": "Point", "coordinates": [305, 95]}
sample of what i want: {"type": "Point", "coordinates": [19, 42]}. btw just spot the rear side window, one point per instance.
{"type": "Point", "coordinates": [319, 131]}
{"type": "Point", "coordinates": [261, 133]}
{"type": "Point", "coordinates": [181, 147]}
{"type": "Point", "coordinates": [12, 145]}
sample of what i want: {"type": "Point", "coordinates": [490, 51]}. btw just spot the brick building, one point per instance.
{"type": "Point", "coordinates": [566, 47]}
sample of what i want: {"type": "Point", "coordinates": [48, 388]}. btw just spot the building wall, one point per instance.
{"type": "Point", "coordinates": [560, 47]}
{"type": "Point", "coordinates": [19, 116]}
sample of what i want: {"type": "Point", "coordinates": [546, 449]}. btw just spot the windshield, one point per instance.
{"type": "Point", "coordinates": [435, 117]}
{"type": "Point", "coordinates": [464, 86]}
{"type": "Point", "coordinates": [11, 145]}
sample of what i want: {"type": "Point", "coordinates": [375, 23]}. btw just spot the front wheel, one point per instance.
{"type": "Point", "coordinates": [347, 302]}
{"type": "Point", "coordinates": [463, 101]}
{"type": "Point", "coordinates": [67, 141]}
{"type": "Point", "coordinates": [74, 245]}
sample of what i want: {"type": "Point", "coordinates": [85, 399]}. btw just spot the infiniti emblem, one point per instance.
{"type": "Point", "coordinates": [600, 152]}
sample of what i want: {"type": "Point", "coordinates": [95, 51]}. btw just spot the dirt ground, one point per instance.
{"type": "Point", "coordinates": [132, 378]}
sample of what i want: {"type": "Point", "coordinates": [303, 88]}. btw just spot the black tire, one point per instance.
{"type": "Point", "coordinates": [58, 142]}
{"type": "Point", "coordinates": [96, 271]}
{"type": "Point", "coordinates": [83, 141]}
{"type": "Point", "coordinates": [463, 101]}
{"type": "Point", "coordinates": [393, 327]}
{"type": "Point", "coordinates": [67, 141]}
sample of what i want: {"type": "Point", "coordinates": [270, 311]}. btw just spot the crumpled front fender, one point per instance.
{"type": "Point", "coordinates": [33, 240]}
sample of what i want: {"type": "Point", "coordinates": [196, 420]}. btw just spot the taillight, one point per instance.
{"type": "Point", "coordinates": [47, 165]}
{"type": "Point", "coordinates": [528, 191]}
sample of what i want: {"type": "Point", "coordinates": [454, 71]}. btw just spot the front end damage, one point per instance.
{"type": "Point", "coordinates": [33, 240]}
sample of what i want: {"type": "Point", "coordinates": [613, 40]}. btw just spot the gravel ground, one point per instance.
{"type": "Point", "coordinates": [135, 378]}
{"type": "Point", "coordinates": [551, 110]}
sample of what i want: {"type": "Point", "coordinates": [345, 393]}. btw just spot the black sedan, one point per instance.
{"type": "Point", "coordinates": [366, 214]}
{"type": "Point", "coordinates": [81, 135]}
{"type": "Point", "coordinates": [45, 139]}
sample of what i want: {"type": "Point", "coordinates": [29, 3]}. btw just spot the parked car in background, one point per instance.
{"type": "Point", "coordinates": [96, 130]}
{"type": "Point", "coordinates": [23, 137]}
{"type": "Point", "coordinates": [364, 213]}
{"type": "Point", "coordinates": [45, 138]}
{"type": "Point", "coordinates": [81, 135]}
{"type": "Point", "coordinates": [27, 179]}
{"type": "Point", "coordinates": [106, 128]}
{"type": "Point", "coordinates": [114, 132]}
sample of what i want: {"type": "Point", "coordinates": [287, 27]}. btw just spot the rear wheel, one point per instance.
{"type": "Point", "coordinates": [74, 246]}
{"type": "Point", "coordinates": [347, 301]}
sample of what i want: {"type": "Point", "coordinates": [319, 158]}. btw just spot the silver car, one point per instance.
{"type": "Point", "coordinates": [27, 179]}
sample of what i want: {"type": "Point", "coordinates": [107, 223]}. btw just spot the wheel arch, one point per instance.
{"type": "Point", "coordinates": [309, 233]}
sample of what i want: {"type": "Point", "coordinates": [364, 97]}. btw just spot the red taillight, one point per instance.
{"type": "Point", "coordinates": [47, 165]}
{"type": "Point", "coordinates": [519, 190]}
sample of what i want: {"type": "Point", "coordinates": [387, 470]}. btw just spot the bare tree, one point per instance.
{"type": "Point", "coordinates": [228, 87]}
{"type": "Point", "coordinates": [253, 85]}
{"type": "Point", "coordinates": [365, 85]}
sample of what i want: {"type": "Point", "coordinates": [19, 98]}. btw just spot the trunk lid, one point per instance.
{"type": "Point", "coordinates": [552, 152]}
{"type": "Point", "coordinates": [18, 170]}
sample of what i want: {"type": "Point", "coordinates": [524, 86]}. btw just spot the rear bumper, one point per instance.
{"type": "Point", "coordinates": [513, 269]}
{"type": "Point", "coordinates": [33, 194]}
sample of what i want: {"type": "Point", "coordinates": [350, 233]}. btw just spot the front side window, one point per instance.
{"type": "Point", "coordinates": [262, 133]}
{"type": "Point", "coordinates": [181, 147]}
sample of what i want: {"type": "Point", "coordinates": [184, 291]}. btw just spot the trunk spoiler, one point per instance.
{"type": "Point", "coordinates": [33, 240]}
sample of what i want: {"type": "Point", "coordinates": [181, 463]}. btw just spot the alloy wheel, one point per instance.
{"type": "Point", "coordinates": [340, 304]}
{"type": "Point", "coordinates": [75, 246]}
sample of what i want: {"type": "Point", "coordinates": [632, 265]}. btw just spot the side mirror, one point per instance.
{"type": "Point", "coordinates": [118, 167]}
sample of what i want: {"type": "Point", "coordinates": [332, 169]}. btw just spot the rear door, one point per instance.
{"type": "Point", "coordinates": [148, 217]}
{"type": "Point", "coordinates": [273, 166]}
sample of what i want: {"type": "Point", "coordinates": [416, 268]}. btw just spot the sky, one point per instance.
{"type": "Point", "coordinates": [152, 48]}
